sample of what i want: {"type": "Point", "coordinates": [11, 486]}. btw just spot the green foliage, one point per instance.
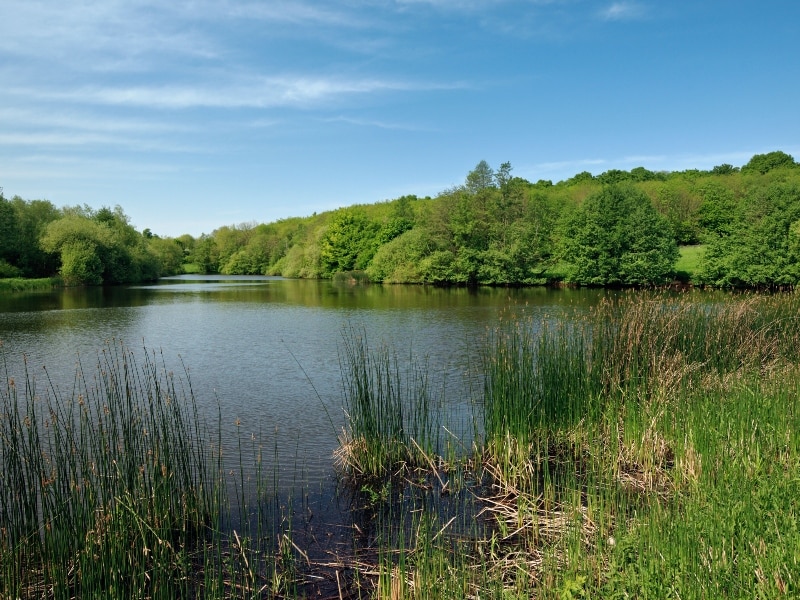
{"type": "Point", "coordinates": [33, 217]}
{"type": "Point", "coordinates": [617, 237]}
{"type": "Point", "coordinates": [398, 261]}
{"type": "Point", "coordinates": [19, 284]}
{"type": "Point", "coordinates": [8, 230]}
{"type": "Point", "coordinates": [716, 213]}
{"type": "Point", "coordinates": [764, 163]}
{"type": "Point", "coordinates": [495, 229]}
{"type": "Point", "coordinates": [80, 263]}
{"type": "Point", "coordinates": [724, 169]}
{"type": "Point", "coordinates": [8, 271]}
{"type": "Point", "coordinates": [169, 254]}
{"type": "Point", "coordinates": [100, 248]}
{"type": "Point", "coordinates": [758, 246]}
{"type": "Point", "coordinates": [349, 242]}
{"type": "Point", "coordinates": [80, 242]}
{"type": "Point", "coordinates": [680, 205]}
{"type": "Point", "coordinates": [480, 178]}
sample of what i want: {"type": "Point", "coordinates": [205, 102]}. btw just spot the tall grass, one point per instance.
{"type": "Point", "coordinates": [647, 449]}
{"type": "Point", "coordinates": [392, 423]}
{"type": "Point", "coordinates": [20, 284]}
{"type": "Point", "coordinates": [120, 490]}
{"type": "Point", "coordinates": [106, 490]}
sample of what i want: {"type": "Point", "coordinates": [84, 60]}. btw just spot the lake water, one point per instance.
{"type": "Point", "coordinates": [266, 350]}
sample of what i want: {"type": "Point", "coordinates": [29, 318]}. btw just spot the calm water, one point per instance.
{"type": "Point", "coordinates": [266, 350]}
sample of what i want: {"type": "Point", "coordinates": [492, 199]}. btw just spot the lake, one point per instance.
{"type": "Point", "coordinates": [266, 350]}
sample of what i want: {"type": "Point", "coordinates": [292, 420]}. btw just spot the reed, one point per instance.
{"type": "Point", "coordinates": [104, 490]}
{"type": "Point", "coordinates": [392, 418]}
{"type": "Point", "coordinates": [646, 449]}
{"type": "Point", "coordinates": [20, 284]}
{"type": "Point", "coordinates": [119, 490]}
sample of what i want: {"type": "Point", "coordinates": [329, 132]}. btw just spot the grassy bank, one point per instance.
{"type": "Point", "coordinates": [19, 284]}
{"type": "Point", "coordinates": [689, 262]}
{"type": "Point", "coordinates": [648, 449]}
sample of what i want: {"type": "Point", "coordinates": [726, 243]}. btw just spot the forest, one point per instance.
{"type": "Point", "coordinates": [729, 227]}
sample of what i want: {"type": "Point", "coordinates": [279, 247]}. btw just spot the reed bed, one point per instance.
{"type": "Point", "coordinates": [20, 284]}
{"type": "Point", "coordinates": [118, 490]}
{"type": "Point", "coordinates": [646, 449]}
{"type": "Point", "coordinates": [105, 490]}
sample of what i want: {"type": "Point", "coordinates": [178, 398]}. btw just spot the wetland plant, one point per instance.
{"type": "Point", "coordinates": [391, 417]}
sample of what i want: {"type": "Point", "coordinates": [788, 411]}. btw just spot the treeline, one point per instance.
{"type": "Point", "coordinates": [616, 228]}
{"type": "Point", "coordinates": [84, 246]}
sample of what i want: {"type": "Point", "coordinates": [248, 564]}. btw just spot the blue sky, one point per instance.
{"type": "Point", "coordinates": [201, 113]}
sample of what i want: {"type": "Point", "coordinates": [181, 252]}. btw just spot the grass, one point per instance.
{"type": "Point", "coordinates": [689, 260]}
{"type": "Point", "coordinates": [120, 491]}
{"type": "Point", "coordinates": [390, 413]}
{"type": "Point", "coordinates": [20, 284]}
{"type": "Point", "coordinates": [193, 269]}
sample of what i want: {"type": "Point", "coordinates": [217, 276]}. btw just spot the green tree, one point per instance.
{"type": "Point", "coordinates": [349, 243]}
{"type": "Point", "coordinates": [617, 237]}
{"type": "Point", "coordinates": [724, 169]}
{"type": "Point", "coordinates": [9, 241]}
{"type": "Point", "coordinates": [717, 211]}
{"type": "Point", "coordinates": [169, 254]}
{"type": "Point", "coordinates": [759, 245]}
{"type": "Point", "coordinates": [398, 261]}
{"type": "Point", "coordinates": [764, 163]}
{"type": "Point", "coordinates": [80, 264]}
{"type": "Point", "coordinates": [32, 218]}
{"type": "Point", "coordinates": [81, 243]}
{"type": "Point", "coordinates": [480, 178]}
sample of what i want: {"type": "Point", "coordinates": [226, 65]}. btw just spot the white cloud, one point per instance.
{"type": "Point", "coordinates": [254, 92]}
{"type": "Point", "coordinates": [377, 124]}
{"type": "Point", "coordinates": [36, 119]}
{"type": "Point", "coordinates": [623, 11]}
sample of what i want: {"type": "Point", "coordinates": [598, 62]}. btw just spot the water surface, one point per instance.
{"type": "Point", "coordinates": [266, 350]}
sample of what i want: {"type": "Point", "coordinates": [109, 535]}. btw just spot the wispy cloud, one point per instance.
{"type": "Point", "coordinates": [111, 32]}
{"type": "Point", "coordinates": [294, 12]}
{"type": "Point", "coordinates": [257, 92]}
{"type": "Point", "coordinates": [623, 11]}
{"type": "Point", "coordinates": [29, 119]}
{"type": "Point", "coordinates": [377, 124]}
{"type": "Point", "coordinates": [53, 140]}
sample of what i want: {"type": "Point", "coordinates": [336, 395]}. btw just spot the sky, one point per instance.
{"type": "Point", "coordinates": [194, 114]}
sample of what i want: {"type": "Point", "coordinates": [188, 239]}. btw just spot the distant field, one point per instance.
{"type": "Point", "coordinates": [689, 260]}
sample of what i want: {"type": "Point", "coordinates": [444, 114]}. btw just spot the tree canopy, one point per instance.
{"type": "Point", "coordinates": [617, 237]}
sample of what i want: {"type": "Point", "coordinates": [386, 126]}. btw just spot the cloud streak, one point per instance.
{"type": "Point", "coordinates": [263, 92]}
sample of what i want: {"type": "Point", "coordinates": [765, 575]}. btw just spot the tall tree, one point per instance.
{"type": "Point", "coordinates": [349, 242]}
{"type": "Point", "coordinates": [480, 178]}
{"type": "Point", "coordinates": [617, 237]}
